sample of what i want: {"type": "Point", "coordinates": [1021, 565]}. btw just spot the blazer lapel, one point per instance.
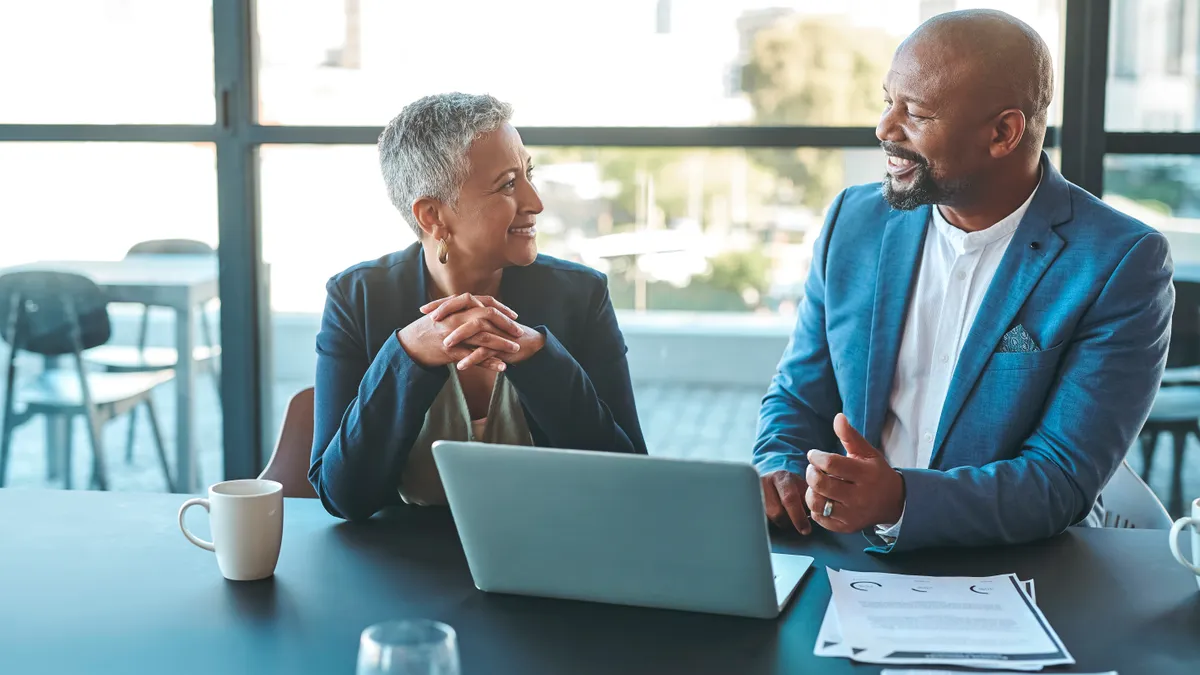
{"type": "Point", "coordinates": [899, 262]}
{"type": "Point", "coordinates": [1033, 248]}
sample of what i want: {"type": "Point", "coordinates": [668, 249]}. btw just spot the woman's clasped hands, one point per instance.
{"type": "Point", "coordinates": [469, 330]}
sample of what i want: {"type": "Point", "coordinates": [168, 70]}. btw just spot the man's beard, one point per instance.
{"type": "Point", "coordinates": [922, 188]}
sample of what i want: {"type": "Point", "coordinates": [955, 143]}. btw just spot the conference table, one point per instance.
{"type": "Point", "coordinates": [180, 282]}
{"type": "Point", "coordinates": [105, 583]}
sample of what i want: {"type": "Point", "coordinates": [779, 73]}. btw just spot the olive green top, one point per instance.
{"type": "Point", "coordinates": [449, 419]}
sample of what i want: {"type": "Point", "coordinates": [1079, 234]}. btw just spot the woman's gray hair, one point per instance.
{"type": "Point", "coordinates": [423, 151]}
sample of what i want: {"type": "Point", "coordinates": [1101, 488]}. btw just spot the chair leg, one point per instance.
{"type": "Point", "coordinates": [6, 431]}
{"type": "Point", "coordinates": [9, 421]}
{"type": "Point", "coordinates": [1149, 442]}
{"type": "Point", "coordinates": [54, 433]}
{"type": "Point", "coordinates": [1175, 504]}
{"type": "Point", "coordinates": [68, 449]}
{"type": "Point", "coordinates": [213, 366]}
{"type": "Point", "coordinates": [130, 436]}
{"type": "Point", "coordinates": [95, 431]}
{"type": "Point", "coordinates": [158, 443]}
{"type": "Point", "coordinates": [95, 435]}
{"type": "Point", "coordinates": [143, 328]}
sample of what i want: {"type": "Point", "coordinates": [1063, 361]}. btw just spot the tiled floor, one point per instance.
{"type": "Point", "coordinates": [678, 421]}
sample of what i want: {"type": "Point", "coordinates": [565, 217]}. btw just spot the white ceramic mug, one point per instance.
{"type": "Point", "coordinates": [246, 518]}
{"type": "Point", "coordinates": [1178, 527]}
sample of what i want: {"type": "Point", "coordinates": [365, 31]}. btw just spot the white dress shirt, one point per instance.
{"type": "Point", "coordinates": [956, 269]}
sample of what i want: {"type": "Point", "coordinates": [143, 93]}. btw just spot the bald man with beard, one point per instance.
{"type": "Point", "coordinates": [980, 340]}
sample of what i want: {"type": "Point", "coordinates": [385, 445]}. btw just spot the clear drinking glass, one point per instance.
{"type": "Point", "coordinates": [411, 647]}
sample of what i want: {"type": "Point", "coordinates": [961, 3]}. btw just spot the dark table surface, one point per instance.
{"type": "Point", "coordinates": [105, 583]}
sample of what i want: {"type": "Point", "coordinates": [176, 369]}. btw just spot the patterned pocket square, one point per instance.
{"type": "Point", "coordinates": [1017, 340]}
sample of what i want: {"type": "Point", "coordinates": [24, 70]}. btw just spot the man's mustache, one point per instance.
{"type": "Point", "coordinates": [897, 151]}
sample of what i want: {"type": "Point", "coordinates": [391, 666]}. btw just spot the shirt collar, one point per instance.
{"type": "Point", "coordinates": [966, 242]}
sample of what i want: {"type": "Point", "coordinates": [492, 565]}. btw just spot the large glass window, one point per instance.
{"type": "Point", "coordinates": [81, 208]}
{"type": "Point", "coordinates": [699, 229]}
{"type": "Point", "coordinates": [621, 63]}
{"type": "Point", "coordinates": [1154, 81]}
{"type": "Point", "coordinates": [93, 201]}
{"type": "Point", "coordinates": [706, 251]}
{"type": "Point", "coordinates": [106, 62]}
{"type": "Point", "coordinates": [1164, 192]}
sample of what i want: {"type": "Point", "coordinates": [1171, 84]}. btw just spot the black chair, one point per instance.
{"type": "Point", "coordinates": [1176, 409]}
{"type": "Point", "coordinates": [140, 358]}
{"type": "Point", "coordinates": [56, 314]}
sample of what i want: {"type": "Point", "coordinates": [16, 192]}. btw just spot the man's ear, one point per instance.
{"type": "Point", "coordinates": [1007, 132]}
{"type": "Point", "coordinates": [428, 213]}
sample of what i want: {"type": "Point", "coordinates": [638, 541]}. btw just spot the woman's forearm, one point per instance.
{"type": "Point", "coordinates": [576, 409]}
{"type": "Point", "coordinates": [366, 426]}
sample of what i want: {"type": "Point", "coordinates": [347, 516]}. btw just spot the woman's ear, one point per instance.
{"type": "Point", "coordinates": [428, 213]}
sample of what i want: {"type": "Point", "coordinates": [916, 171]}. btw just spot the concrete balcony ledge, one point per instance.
{"type": "Point", "coordinates": [709, 349]}
{"type": "Point", "coordinates": [713, 349]}
{"type": "Point", "coordinates": [714, 324]}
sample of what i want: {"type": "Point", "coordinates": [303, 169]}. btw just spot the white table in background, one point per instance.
{"type": "Point", "coordinates": [179, 282]}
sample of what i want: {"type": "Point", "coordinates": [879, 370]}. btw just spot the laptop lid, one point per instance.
{"type": "Point", "coordinates": [608, 527]}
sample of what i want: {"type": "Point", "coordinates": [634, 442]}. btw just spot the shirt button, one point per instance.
{"type": "Point", "coordinates": [945, 359]}
{"type": "Point", "coordinates": [928, 438]}
{"type": "Point", "coordinates": [962, 276]}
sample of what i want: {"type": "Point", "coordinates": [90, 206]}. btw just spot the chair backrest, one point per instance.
{"type": "Point", "coordinates": [1184, 350]}
{"type": "Point", "coordinates": [1129, 502]}
{"type": "Point", "coordinates": [52, 313]}
{"type": "Point", "coordinates": [289, 463]}
{"type": "Point", "coordinates": [166, 247]}
{"type": "Point", "coordinates": [170, 247]}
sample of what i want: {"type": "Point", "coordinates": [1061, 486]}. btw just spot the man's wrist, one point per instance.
{"type": "Point", "coordinates": [897, 508]}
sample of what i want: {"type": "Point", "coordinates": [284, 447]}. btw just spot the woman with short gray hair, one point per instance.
{"type": "Point", "coordinates": [468, 334]}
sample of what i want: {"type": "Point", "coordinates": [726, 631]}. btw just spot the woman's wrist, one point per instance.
{"type": "Point", "coordinates": [409, 343]}
{"type": "Point", "coordinates": [531, 342]}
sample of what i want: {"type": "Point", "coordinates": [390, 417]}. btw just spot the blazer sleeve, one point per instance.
{"type": "Point", "coordinates": [798, 410]}
{"type": "Point", "coordinates": [1106, 387]}
{"type": "Point", "coordinates": [367, 414]}
{"type": "Point", "coordinates": [583, 401]}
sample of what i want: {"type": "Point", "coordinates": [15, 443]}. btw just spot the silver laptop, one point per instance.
{"type": "Point", "coordinates": [616, 528]}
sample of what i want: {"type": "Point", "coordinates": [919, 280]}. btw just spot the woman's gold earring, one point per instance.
{"type": "Point", "coordinates": [443, 251]}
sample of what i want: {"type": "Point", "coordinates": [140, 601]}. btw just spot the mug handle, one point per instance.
{"type": "Point", "coordinates": [1175, 530]}
{"type": "Point", "coordinates": [208, 545]}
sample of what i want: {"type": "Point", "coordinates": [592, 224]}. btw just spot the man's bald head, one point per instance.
{"type": "Point", "coordinates": [967, 100]}
{"type": "Point", "coordinates": [995, 56]}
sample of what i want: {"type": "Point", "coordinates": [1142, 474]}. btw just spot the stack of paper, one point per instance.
{"type": "Point", "coordinates": [978, 622]}
{"type": "Point", "coordinates": [923, 671]}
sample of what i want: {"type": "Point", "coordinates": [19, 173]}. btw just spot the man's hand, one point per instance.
{"type": "Point", "coordinates": [863, 488]}
{"type": "Point", "coordinates": [783, 496]}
